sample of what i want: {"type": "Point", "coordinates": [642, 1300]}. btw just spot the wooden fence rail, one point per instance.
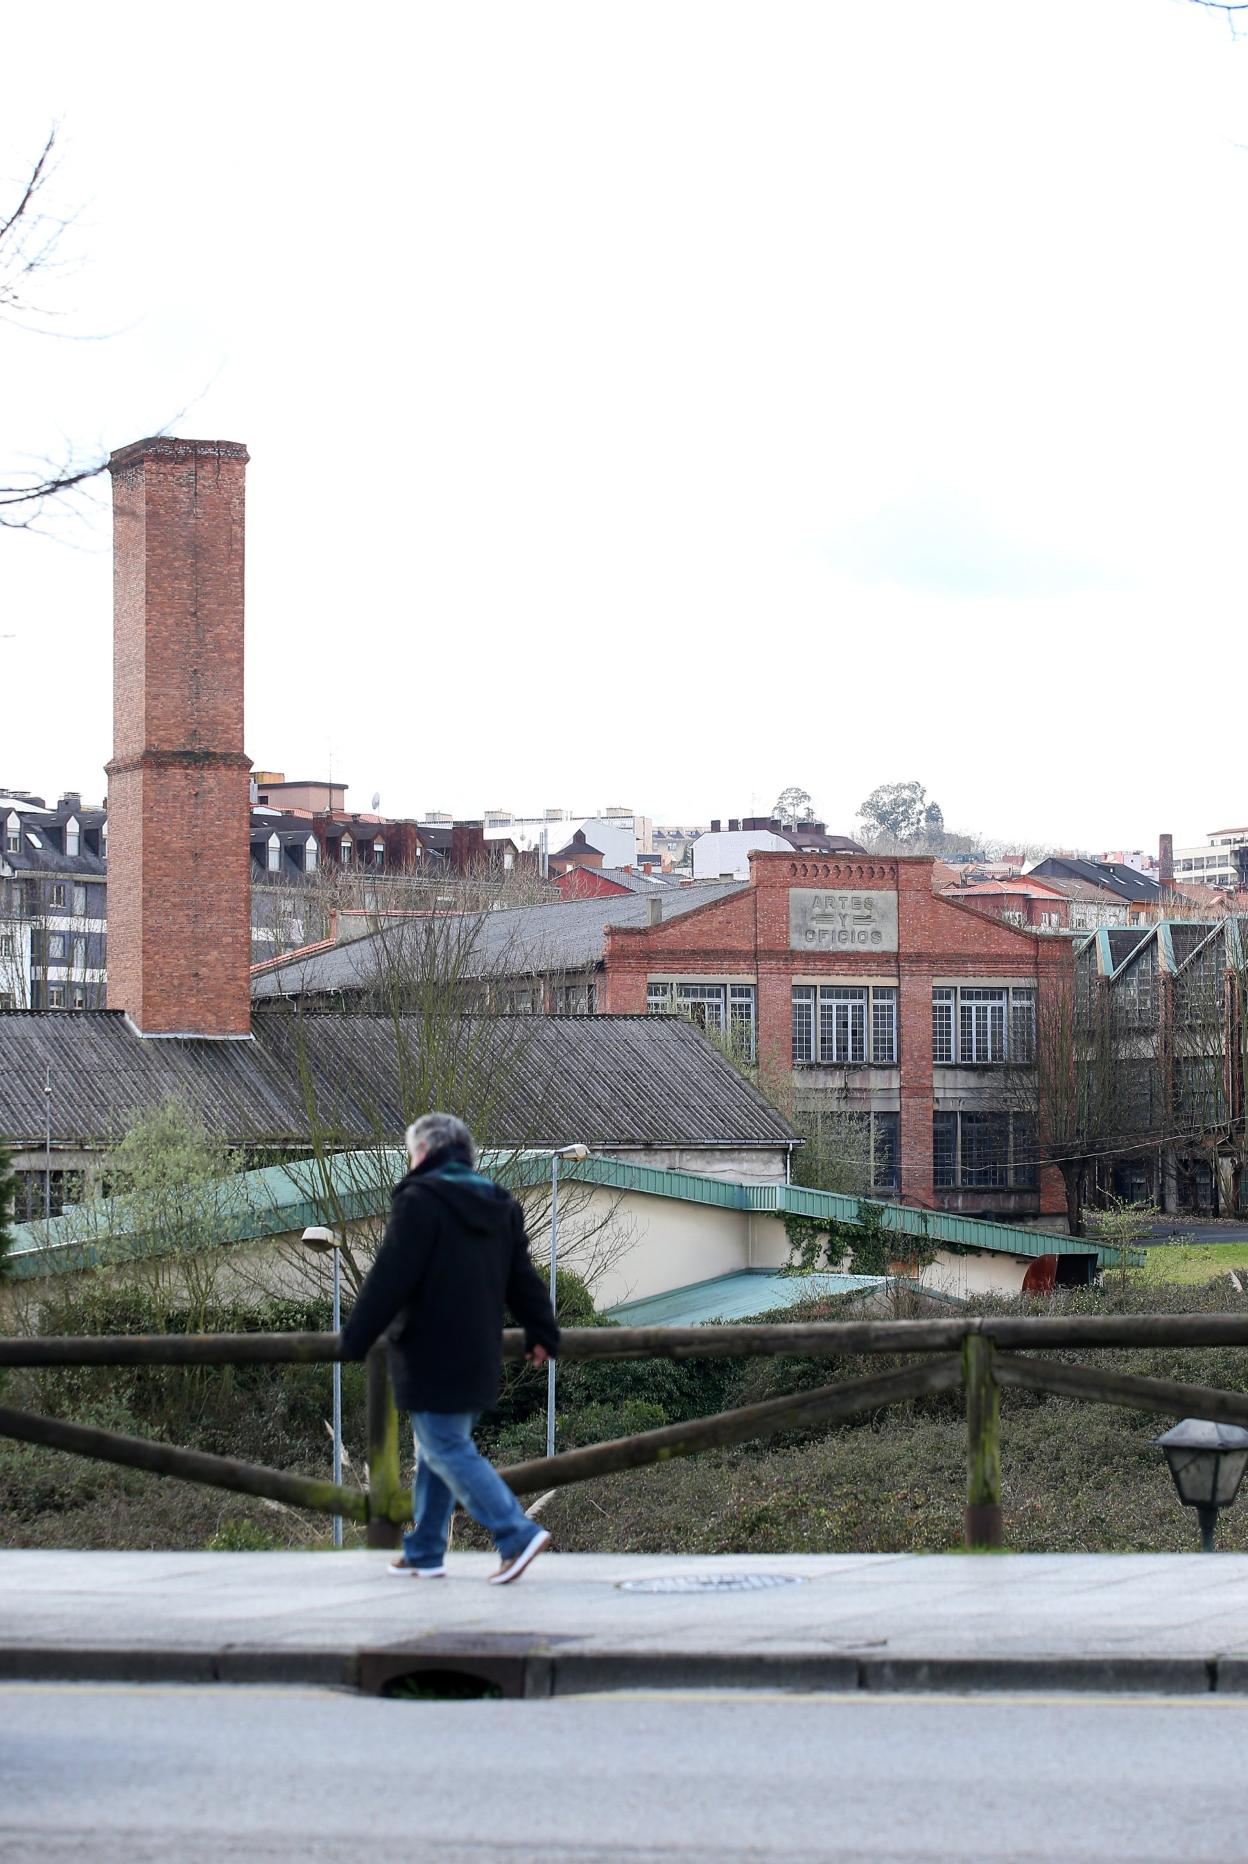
{"type": "Point", "coordinates": [980, 1353]}
{"type": "Point", "coordinates": [816, 1339]}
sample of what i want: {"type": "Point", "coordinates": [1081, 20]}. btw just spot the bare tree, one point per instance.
{"type": "Point", "coordinates": [31, 236]}
{"type": "Point", "coordinates": [447, 1012]}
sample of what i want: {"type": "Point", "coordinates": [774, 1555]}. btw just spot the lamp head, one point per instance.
{"type": "Point", "coordinates": [319, 1238]}
{"type": "Point", "coordinates": [572, 1152]}
{"type": "Point", "coordinates": [1207, 1461]}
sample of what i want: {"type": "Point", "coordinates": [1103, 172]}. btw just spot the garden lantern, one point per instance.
{"type": "Point", "coordinates": [1207, 1462]}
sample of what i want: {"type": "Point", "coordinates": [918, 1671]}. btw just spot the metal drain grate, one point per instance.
{"type": "Point", "coordinates": [712, 1582]}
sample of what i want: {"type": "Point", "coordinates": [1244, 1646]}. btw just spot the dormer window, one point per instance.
{"type": "Point", "coordinates": [13, 835]}
{"type": "Point", "coordinates": [73, 836]}
{"type": "Point", "coordinates": [379, 853]}
{"type": "Point", "coordinates": [275, 854]}
{"type": "Point", "coordinates": [310, 855]}
{"type": "Point", "coordinates": [344, 850]}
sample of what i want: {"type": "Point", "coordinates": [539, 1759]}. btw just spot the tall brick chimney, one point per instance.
{"type": "Point", "coordinates": [179, 875]}
{"type": "Point", "coordinates": [1165, 863]}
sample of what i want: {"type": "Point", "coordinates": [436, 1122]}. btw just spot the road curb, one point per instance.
{"type": "Point", "coordinates": [542, 1671]}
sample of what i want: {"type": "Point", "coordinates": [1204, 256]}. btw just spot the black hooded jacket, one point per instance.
{"type": "Point", "coordinates": [453, 1256]}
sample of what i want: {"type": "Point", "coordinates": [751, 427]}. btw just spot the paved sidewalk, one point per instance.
{"type": "Point", "coordinates": [1177, 1623]}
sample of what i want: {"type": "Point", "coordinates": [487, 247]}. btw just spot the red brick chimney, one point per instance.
{"type": "Point", "coordinates": [179, 875]}
{"type": "Point", "coordinates": [1165, 863]}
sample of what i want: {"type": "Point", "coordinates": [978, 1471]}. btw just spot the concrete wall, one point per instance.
{"type": "Point", "coordinates": [738, 1164]}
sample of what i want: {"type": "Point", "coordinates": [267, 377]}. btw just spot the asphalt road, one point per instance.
{"type": "Point", "coordinates": [1196, 1232]}
{"type": "Point", "coordinates": [150, 1773]}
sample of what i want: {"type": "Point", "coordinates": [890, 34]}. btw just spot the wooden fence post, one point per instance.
{"type": "Point", "coordinates": [383, 1452]}
{"type": "Point", "coordinates": [983, 1444]}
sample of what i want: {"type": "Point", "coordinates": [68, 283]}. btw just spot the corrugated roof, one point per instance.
{"type": "Point", "coordinates": [558, 935]}
{"type": "Point", "coordinates": [604, 1080]}
{"type": "Point", "coordinates": [735, 1297]}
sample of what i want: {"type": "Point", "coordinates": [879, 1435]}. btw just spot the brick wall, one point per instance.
{"type": "Point", "coordinates": [179, 866]}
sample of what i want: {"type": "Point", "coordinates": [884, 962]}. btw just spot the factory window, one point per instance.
{"type": "Point", "coordinates": [837, 1034]}
{"type": "Point", "coordinates": [719, 1008]}
{"type": "Point", "coordinates": [977, 1024]}
{"type": "Point", "coordinates": [983, 1151]}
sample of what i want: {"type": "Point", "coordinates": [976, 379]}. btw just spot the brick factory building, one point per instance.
{"type": "Point", "coordinates": [882, 999]}
{"type": "Point", "coordinates": [877, 996]}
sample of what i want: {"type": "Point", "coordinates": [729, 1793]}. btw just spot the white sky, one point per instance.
{"type": "Point", "coordinates": [659, 402]}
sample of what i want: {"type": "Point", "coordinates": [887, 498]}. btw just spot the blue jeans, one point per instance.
{"type": "Point", "coordinates": [450, 1469]}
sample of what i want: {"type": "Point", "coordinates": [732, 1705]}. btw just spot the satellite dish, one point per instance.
{"type": "Point", "coordinates": [376, 801]}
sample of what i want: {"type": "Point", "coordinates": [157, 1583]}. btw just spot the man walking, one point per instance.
{"type": "Point", "coordinates": [454, 1254]}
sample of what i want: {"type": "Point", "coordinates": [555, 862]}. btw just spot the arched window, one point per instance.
{"type": "Point", "coordinates": [275, 854]}
{"type": "Point", "coordinates": [310, 855]}
{"type": "Point", "coordinates": [13, 834]}
{"type": "Point", "coordinates": [73, 836]}
{"type": "Point", "coordinates": [379, 853]}
{"type": "Point", "coordinates": [344, 851]}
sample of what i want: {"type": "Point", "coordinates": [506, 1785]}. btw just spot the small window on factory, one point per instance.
{"type": "Point", "coordinates": [344, 851]}
{"type": "Point", "coordinates": [379, 853]}
{"type": "Point", "coordinates": [13, 835]}
{"type": "Point", "coordinates": [310, 855]}
{"type": "Point", "coordinates": [275, 854]}
{"type": "Point", "coordinates": [73, 836]}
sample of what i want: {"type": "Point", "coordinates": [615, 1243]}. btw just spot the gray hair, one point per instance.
{"type": "Point", "coordinates": [435, 1131]}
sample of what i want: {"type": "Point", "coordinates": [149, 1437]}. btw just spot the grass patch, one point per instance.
{"type": "Point", "coordinates": [1188, 1265]}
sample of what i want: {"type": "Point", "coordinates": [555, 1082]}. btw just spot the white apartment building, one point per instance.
{"type": "Point", "coordinates": [1215, 862]}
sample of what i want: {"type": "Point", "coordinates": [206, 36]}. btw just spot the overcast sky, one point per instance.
{"type": "Point", "coordinates": [661, 402]}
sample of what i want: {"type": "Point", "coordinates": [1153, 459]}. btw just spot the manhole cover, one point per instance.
{"type": "Point", "coordinates": [712, 1582]}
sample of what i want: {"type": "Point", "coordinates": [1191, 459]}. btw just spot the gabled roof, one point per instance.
{"type": "Point", "coordinates": [558, 935]}
{"type": "Point", "coordinates": [607, 1081]}
{"type": "Point", "coordinates": [1025, 888]}
{"type": "Point", "coordinates": [1110, 876]}
{"type": "Point", "coordinates": [631, 882]}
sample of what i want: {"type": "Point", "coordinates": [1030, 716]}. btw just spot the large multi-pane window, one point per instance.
{"type": "Point", "coordinates": [886, 1151]}
{"type": "Point", "coordinates": [983, 1151]}
{"type": "Point", "coordinates": [843, 1024]}
{"type": "Point", "coordinates": [976, 1023]}
{"type": "Point", "coordinates": [873, 1138]}
{"type": "Point", "coordinates": [720, 1008]}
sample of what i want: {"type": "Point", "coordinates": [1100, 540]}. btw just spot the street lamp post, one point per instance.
{"type": "Point", "coordinates": [1207, 1462]}
{"type": "Point", "coordinates": [564, 1152]}
{"type": "Point", "coordinates": [321, 1240]}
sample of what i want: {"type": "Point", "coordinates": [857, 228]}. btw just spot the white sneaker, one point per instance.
{"type": "Point", "coordinates": [403, 1568]}
{"type": "Point", "coordinates": [512, 1569]}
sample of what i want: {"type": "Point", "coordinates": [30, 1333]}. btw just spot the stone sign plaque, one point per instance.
{"type": "Point", "coordinates": [842, 920]}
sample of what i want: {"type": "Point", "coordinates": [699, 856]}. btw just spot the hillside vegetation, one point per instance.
{"type": "Point", "coordinates": [1076, 1477]}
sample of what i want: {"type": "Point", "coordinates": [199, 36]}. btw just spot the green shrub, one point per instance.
{"type": "Point", "coordinates": [242, 1536]}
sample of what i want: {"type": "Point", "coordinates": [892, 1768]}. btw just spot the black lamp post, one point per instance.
{"type": "Point", "coordinates": [1207, 1462]}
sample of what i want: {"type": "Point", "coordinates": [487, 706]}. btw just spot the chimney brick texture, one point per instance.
{"type": "Point", "coordinates": [179, 877]}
